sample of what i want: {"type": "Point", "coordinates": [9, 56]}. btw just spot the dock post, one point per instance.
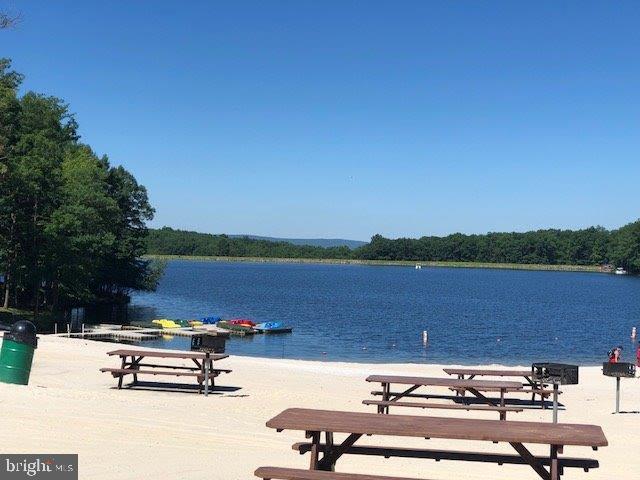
{"type": "Point", "coordinates": [617, 394]}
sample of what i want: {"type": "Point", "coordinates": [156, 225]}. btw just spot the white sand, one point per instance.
{"type": "Point", "coordinates": [70, 407]}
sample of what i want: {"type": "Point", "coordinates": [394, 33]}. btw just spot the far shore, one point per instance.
{"type": "Point", "coordinates": [398, 263]}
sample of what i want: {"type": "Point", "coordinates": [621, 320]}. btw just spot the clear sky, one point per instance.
{"type": "Point", "coordinates": [349, 118]}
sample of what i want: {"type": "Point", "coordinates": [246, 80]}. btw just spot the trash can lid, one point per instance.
{"type": "Point", "coordinates": [23, 331]}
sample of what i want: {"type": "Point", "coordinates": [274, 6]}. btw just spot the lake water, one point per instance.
{"type": "Point", "coordinates": [378, 314]}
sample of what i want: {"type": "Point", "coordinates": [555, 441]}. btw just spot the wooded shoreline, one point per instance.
{"type": "Point", "coordinates": [402, 263]}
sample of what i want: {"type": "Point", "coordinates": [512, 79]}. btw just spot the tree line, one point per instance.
{"type": "Point", "coordinates": [167, 241]}
{"type": "Point", "coordinates": [590, 246]}
{"type": "Point", "coordinates": [72, 226]}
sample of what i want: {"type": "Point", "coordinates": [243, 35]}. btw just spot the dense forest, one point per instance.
{"type": "Point", "coordinates": [591, 246]}
{"type": "Point", "coordinates": [72, 227]}
{"type": "Point", "coordinates": [167, 241]}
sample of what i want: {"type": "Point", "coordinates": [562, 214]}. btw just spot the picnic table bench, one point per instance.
{"type": "Point", "coordinates": [202, 369]}
{"type": "Point", "coordinates": [472, 386]}
{"type": "Point", "coordinates": [537, 387]}
{"type": "Point", "coordinates": [315, 423]}
{"type": "Point", "coordinates": [273, 473]}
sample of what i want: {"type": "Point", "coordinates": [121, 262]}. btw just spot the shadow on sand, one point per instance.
{"type": "Point", "coordinates": [181, 387]}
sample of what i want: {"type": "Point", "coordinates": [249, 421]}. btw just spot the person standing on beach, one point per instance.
{"type": "Point", "coordinates": [615, 354]}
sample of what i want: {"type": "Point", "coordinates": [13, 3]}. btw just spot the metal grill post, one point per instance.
{"type": "Point", "coordinates": [555, 402]}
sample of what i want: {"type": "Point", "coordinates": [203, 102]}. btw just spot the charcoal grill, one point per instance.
{"type": "Point", "coordinates": [618, 370]}
{"type": "Point", "coordinates": [213, 342]}
{"type": "Point", "coordinates": [209, 343]}
{"type": "Point", "coordinates": [555, 374]}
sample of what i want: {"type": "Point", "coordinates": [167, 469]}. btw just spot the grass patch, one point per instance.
{"type": "Point", "coordinates": [44, 321]}
{"type": "Point", "coordinates": [405, 263]}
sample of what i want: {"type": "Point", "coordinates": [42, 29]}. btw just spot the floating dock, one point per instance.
{"type": "Point", "coordinates": [130, 333]}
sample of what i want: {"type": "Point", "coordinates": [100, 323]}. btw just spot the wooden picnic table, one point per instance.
{"type": "Point", "coordinates": [203, 365]}
{"type": "Point", "coordinates": [471, 373]}
{"type": "Point", "coordinates": [471, 386]}
{"type": "Point", "coordinates": [356, 424]}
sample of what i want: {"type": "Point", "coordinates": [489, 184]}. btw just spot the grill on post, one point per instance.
{"type": "Point", "coordinates": [627, 370]}
{"type": "Point", "coordinates": [618, 370]}
{"type": "Point", "coordinates": [556, 374]}
{"type": "Point", "coordinates": [209, 343]}
{"type": "Point", "coordinates": [560, 373]}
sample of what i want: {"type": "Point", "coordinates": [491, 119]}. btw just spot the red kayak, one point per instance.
{"type": "Point", "coordinates": [245, 322]}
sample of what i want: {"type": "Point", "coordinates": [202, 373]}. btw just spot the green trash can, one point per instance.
{"type": "Point", "coordinates": [16, 355]}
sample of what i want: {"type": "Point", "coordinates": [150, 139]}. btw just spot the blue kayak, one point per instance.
{"type": "Point", "coordinates": [210, 320]}
{"type": "Point", "coordinates": [272, 327]}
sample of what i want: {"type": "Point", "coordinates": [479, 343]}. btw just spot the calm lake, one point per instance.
{"type": "Point", "coordinates": [378, 314]}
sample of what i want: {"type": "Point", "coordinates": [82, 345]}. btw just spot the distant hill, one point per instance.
{"type": "Point", "coordinates": [167, 241]}
{"type": "Point", "coordinates": [313, 242]}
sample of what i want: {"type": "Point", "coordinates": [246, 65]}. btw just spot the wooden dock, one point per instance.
{"type": "Point", "coordinates": [210, 329]}
{"type": "Point", "coordinates": [130, 333]}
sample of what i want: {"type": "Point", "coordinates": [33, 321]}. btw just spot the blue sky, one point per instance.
{"type": "Point", "coordinates": [349, 118]}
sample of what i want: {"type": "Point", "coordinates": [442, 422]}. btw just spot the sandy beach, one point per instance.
{"type": "Point", "coordinates": [71, 407]}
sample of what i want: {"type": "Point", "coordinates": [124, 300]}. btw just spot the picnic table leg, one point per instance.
{"type": "Point", "coordinates": [213, 377]}
{"type": "Point", "coordinates": [200, 379]}
{"type": "Point", "coordinates": [555, 402]}
{"type": "Point", "coordinates": [206, 374]}
{"type": "Point", "coordinates": [331, 467]}
{"type": "Point", "coordinates": [555, 474]}
{"type": "Point", "coordinates": [331, 455]}
{"type": "Point", "coordinates": [458, 392]}
{"type": "Point", "coordinates": [503, 413]}
{"type": "Point", "coordinates": [533, 385]}
{"type": "Point", "coordinates": [385, 397]}
{"type": "Point", "coordinates": [124, 362]}
{"type": "Point", "coordinates": [533, 462]}
{"type": "Point", "coordinates": [486, 400]}
{"type": "Point", "coordinates": [315, 442]}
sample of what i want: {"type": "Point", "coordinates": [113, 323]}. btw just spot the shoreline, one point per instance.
{"type": "Point", "coordinates": [435, 363]}
{"type": "Point", "coordinates": [394, 263]}
{"type": "Point", "coordinates": [346, 361]}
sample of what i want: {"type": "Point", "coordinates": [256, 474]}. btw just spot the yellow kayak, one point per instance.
{"type": "Point", "coordinates": [165, 323]}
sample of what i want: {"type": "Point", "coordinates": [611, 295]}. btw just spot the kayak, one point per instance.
{"type": "Point", "coordinates": [188, 323]}
{"type": "Point", "coordinates": [210, 320]}
{"type": "Point", "coordinates": [165, 323]}
{"type": "Point", "coordinates": [241, 321]}
{"type": "Point", "coordinates": [269, 325]}
{"type": "Point", "coordinates": [235, 328]}
{"type": "Point", "coordinates": [273, 327]}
